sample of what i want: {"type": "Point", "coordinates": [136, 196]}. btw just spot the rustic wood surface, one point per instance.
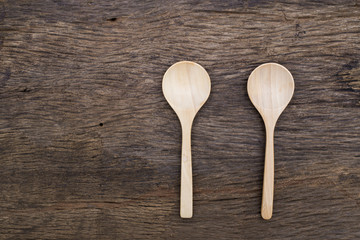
{"type": "Point", "coordinates": [90, 149]}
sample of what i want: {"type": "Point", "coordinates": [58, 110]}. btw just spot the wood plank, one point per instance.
{"type": "Point", "coordinates": [90, 149]}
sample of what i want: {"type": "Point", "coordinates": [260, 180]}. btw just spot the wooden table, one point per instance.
{"type": "Point", "coordinates": [90, 149]}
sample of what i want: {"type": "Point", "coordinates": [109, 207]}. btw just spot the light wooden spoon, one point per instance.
{"type": "Point", "coordinates": [186, 86]}
{"type": "Point", "coordinates": [270, 88]}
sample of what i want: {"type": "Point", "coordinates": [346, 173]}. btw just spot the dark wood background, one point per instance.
{"type": "Point", "coordinates": [90, 149]}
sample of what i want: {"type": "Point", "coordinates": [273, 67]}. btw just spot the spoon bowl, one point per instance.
{"type": "Point", "coordinates": [186, 86]}
{"type": "Point", "coordinates": [270, 88]}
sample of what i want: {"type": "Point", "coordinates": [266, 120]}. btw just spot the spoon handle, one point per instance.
{"type": "Point", "coordinates": [268, 185]}
{"type": "Point", "coordinates": [186, 192]}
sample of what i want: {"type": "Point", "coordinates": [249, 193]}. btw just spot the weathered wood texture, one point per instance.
{"type": "Point", "coordinates": [90, 149]}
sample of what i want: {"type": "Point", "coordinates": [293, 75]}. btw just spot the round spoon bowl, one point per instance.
{"type": "Point", "coordinates": [186, 86]}
{"type": "Point", "coordinates": [270, 88]}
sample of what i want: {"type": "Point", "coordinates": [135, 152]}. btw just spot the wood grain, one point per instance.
{"type": "Point", "coordinates": [89, 147]}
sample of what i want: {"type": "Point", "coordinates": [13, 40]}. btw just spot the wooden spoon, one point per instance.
{"type": "Point", "coordinates": [270, 88]}
{"type": "Point", "coordinates": [186, 86]}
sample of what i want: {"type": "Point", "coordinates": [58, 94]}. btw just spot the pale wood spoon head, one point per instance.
{"type": "Point", "coordinates": [270, 88]}
{"type": "Point", "coordinates": [186, 86]}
